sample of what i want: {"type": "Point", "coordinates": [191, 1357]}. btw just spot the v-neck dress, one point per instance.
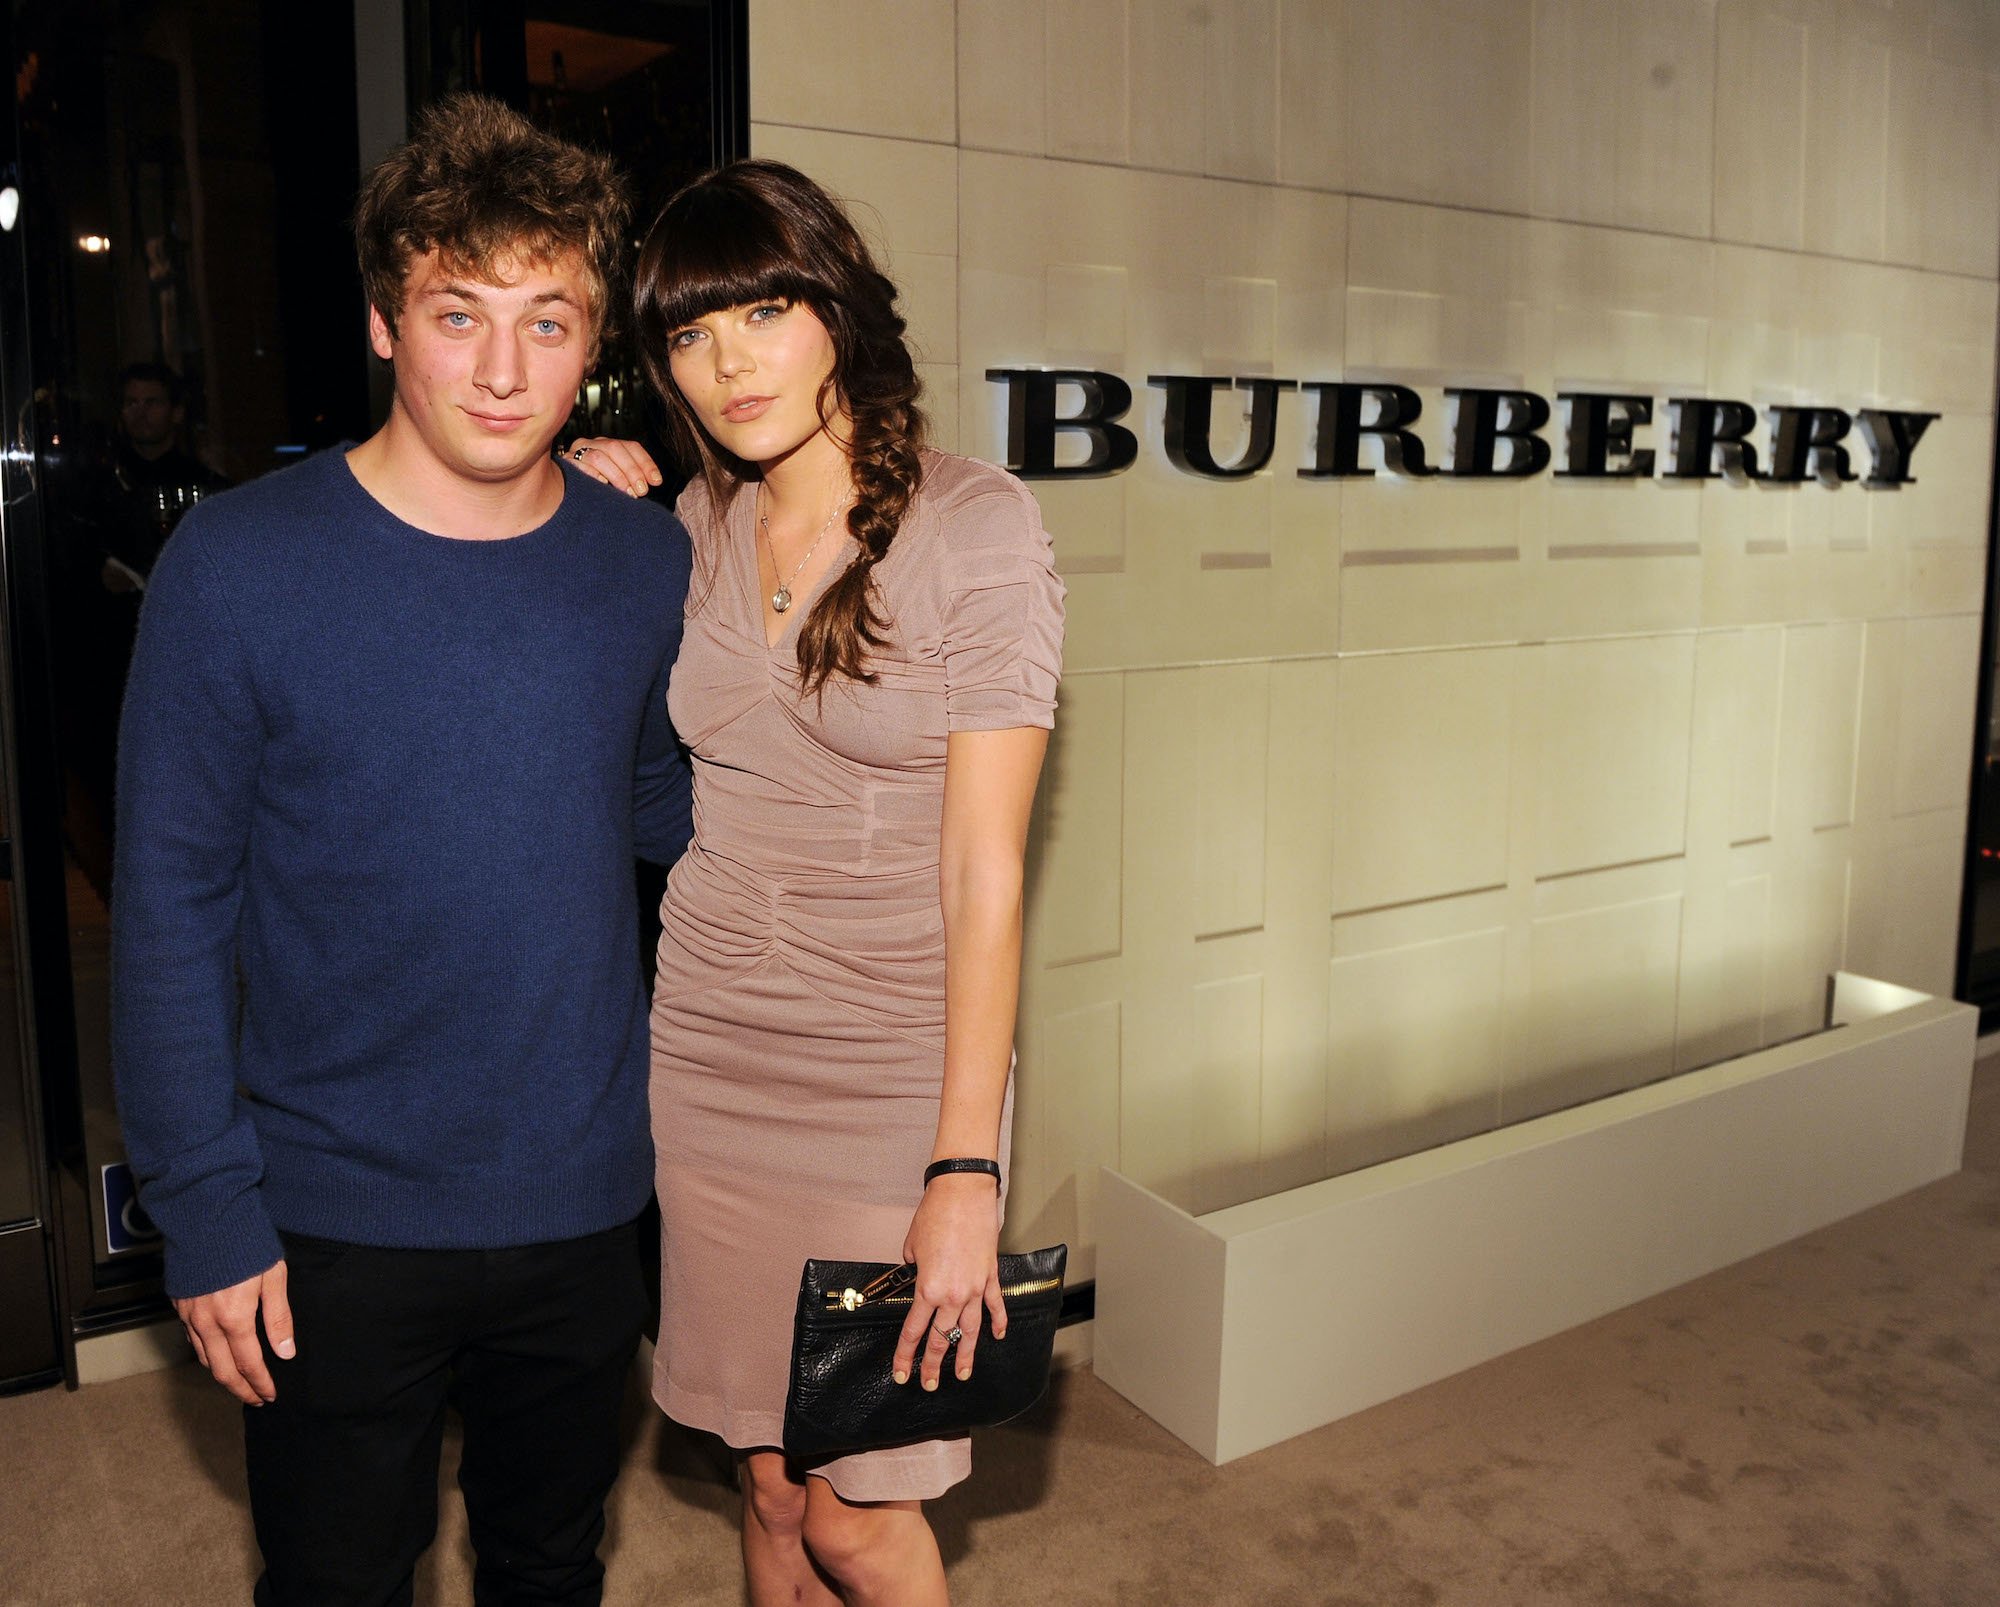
{"type": "Point", "coordinates": [798, 1016]}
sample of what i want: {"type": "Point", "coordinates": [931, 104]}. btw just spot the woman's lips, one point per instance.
{"type": "Point", "coordinates": [746, 408]}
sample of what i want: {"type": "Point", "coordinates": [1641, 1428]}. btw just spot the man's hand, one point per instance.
{"type": "Point", "coordinates": [223, 1329]}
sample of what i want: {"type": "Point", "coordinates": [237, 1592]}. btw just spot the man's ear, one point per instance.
{"type": "Point", "coordinates": [381, 337]}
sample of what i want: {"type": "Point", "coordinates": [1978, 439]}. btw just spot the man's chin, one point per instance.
{"type": "Point", "coordinates": [497, 460]}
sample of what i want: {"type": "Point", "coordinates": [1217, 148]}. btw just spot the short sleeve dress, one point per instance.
{"type": "Point", "coordinates": [798, 1016]}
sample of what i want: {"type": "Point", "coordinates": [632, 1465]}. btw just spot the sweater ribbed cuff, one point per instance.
{"type": "Point", "coordinates": [211, 1249]}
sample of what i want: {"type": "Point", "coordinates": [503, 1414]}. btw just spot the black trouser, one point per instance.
{"type": "Point", "coordinates": [531, 1345]}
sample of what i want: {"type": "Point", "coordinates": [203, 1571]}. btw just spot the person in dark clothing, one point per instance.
{"type": "Point", "coordinates": [154, 481]}
{"type": "Point", "coordinates": [394, 733]}
{"type": "Point", "coordinates": [152, 407]}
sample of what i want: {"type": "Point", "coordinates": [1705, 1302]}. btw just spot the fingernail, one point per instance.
{"type": "Point", "coordinates": [902, 1378]}
{"type": "Point", "coordinates": [286, 1349]}
{"type": "Point", "coordinates": [964, 1373]}
{"type": "Point", "coordinates": [930, 1383]}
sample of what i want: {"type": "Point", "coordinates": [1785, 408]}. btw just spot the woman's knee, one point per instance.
{"type": "Point", "coordinates": [851, 1541]}
{"type": "Point", "coordinates": [775, 1498]}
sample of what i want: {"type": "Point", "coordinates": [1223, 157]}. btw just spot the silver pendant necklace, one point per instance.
{"type": "Point", "coordinates": [781, 599]}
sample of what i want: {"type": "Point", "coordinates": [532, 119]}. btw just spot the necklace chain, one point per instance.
{"type": "Point", "coordinates": [781, 599]}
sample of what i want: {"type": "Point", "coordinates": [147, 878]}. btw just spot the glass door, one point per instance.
{"type": "Point", "coordinates": [30, 1352]}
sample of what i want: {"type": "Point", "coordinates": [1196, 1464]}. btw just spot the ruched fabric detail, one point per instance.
{"type": "Point", "coordinates": [1003, 617]}
{"type": "Point", "coordinates": [798, 1018]}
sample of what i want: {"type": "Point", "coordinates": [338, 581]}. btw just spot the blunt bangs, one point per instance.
{"type": "Point", "coordinates": [713, 250]}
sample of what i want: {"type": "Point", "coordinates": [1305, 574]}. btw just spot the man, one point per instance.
{"type": "Point", "coordinates": [154, 481]}
{"type": "Point", "coordinates": [395, 728]}
{"type": "Point", "coordinates": [152, 406]}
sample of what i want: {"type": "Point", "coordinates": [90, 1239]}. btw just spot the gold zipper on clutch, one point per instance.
{"type": "Point", "coordinates": [854, 1299]}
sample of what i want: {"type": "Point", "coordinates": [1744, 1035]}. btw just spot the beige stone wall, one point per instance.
{"type": "Point", "coordinates": [1382, 813]}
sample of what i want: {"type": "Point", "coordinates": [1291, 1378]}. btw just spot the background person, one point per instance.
{"type": "Point", "coordinates": [155, 480]}
{"type": "Point", "coordinates": [395, 728]}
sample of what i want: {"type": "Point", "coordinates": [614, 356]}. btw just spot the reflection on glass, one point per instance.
{"type": "Point", "coordinates": [17, 1188]}
{"type": "Point", "coordinates": [198, 322]}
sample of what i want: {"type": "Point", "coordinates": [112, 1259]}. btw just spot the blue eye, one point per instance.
{"type": "Point", "coordinates": [547, 326]}
{"type": "Point", "coordinates": [455, 314]}
{"type": "Point", "coordinates": [770, 309]}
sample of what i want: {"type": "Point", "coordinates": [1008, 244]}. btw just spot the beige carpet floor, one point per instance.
{"type": "Point", "coordinates": [1815, 1427]}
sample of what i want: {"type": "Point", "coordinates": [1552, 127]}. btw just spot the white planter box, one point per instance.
{"type": "Point", "coordinates": [1246, 1326]}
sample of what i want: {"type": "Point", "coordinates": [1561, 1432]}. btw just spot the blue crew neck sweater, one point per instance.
{"type": "Point", "coordinates": [375, 969]}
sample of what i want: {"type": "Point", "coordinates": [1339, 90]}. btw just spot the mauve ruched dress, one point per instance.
{"type": "Point", "coordinates": [798, 1019]}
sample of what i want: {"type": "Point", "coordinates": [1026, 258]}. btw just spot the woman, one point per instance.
{"type": "Point", "coordinates": [866, 682]}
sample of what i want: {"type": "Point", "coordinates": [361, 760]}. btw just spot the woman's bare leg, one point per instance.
{"type": "Point", "coordinates": [879, 1553]}
{"type": "Point", "coordinates": [775, 1563]}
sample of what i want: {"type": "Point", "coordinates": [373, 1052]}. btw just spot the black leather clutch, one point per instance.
{"type": "Point", "coordinates": [842, 1397]}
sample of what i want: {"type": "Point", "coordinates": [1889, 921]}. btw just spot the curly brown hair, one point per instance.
{"type": "Point", "coordinates": [756, 231]}
{"type": "Point", "coordinates": [482, 187]}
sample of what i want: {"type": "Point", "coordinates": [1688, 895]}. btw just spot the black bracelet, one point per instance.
{"type": "Point", "coordinates": [962, 1163]}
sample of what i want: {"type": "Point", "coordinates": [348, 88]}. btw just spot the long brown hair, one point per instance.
{"type": "Point", "coordinates": [762, 231]}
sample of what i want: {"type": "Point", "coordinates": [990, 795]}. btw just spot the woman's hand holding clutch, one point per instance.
{"type": "Point", "coordinates": [955, 1241]}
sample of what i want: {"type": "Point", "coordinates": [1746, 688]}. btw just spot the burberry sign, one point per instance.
{"type": "Point", "coordinates": [1490, 433]}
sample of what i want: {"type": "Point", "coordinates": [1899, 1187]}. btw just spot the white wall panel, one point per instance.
{"type": "Point", "coordinates": [1080, 821]}
{"type": "Point", "coordinates": [1300, 772]}
{"type": "Point", "coordinates": [1002, 45]}
{"type": "Point", "coordinates": [1312, 140]}
{"type": "Point", "coordinates": [1846, 140]}
{"type": "Point", "coordinates": [1613, 765]}
{"type": "Point", "coordinates": [1897, 887]}
{"type": "Point", "coordinates": [1723, 943]}
{"type": "Point", "coordinates": [1378, 812]}
{"type": "Point", "coordinates": [1240, 90]}
{"type": "Point", "coordinates": [1940, 356]}
{"type": "Point", "coordinates": [1602, 1013]}
{"type": "Point", "coordinates": [1820, 724]}
{"type": "Point", "coordinates": [1231, 735]}
{"type": "Point", "coordinates": [1086, 97]}
{"type": "Point", "coordinates": [1226, 1112]}
{"type": "Point", "coordinates": [1940, 686]}
{"type": "Point", "coordinates": [827, 67]}
{"type": "Point", "coordinates": [1808, 931]}
{"type": "Point", "coordinates": [1162, 1075]}
{"type": "Point", "coordinates": [1075, 1083]}
{"type": "Point", "coordinates": [1421, 777]}
{"type": "Point", "coordinates": [1944, 214]}
{"type": "Point", "coordinates": [1437, 100]}
{"type": "Point", "coordinates": [1167, 47]}
{"type": "Point", "coordinates": [1624, 113]}
{"type": "Point", "coordinates": [1418, 1048]}
{"type": "Point", "coordinates": [1759, 125]}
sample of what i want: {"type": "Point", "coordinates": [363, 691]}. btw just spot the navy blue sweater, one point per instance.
{"type": "Point", "coordinates": [396, 782]}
